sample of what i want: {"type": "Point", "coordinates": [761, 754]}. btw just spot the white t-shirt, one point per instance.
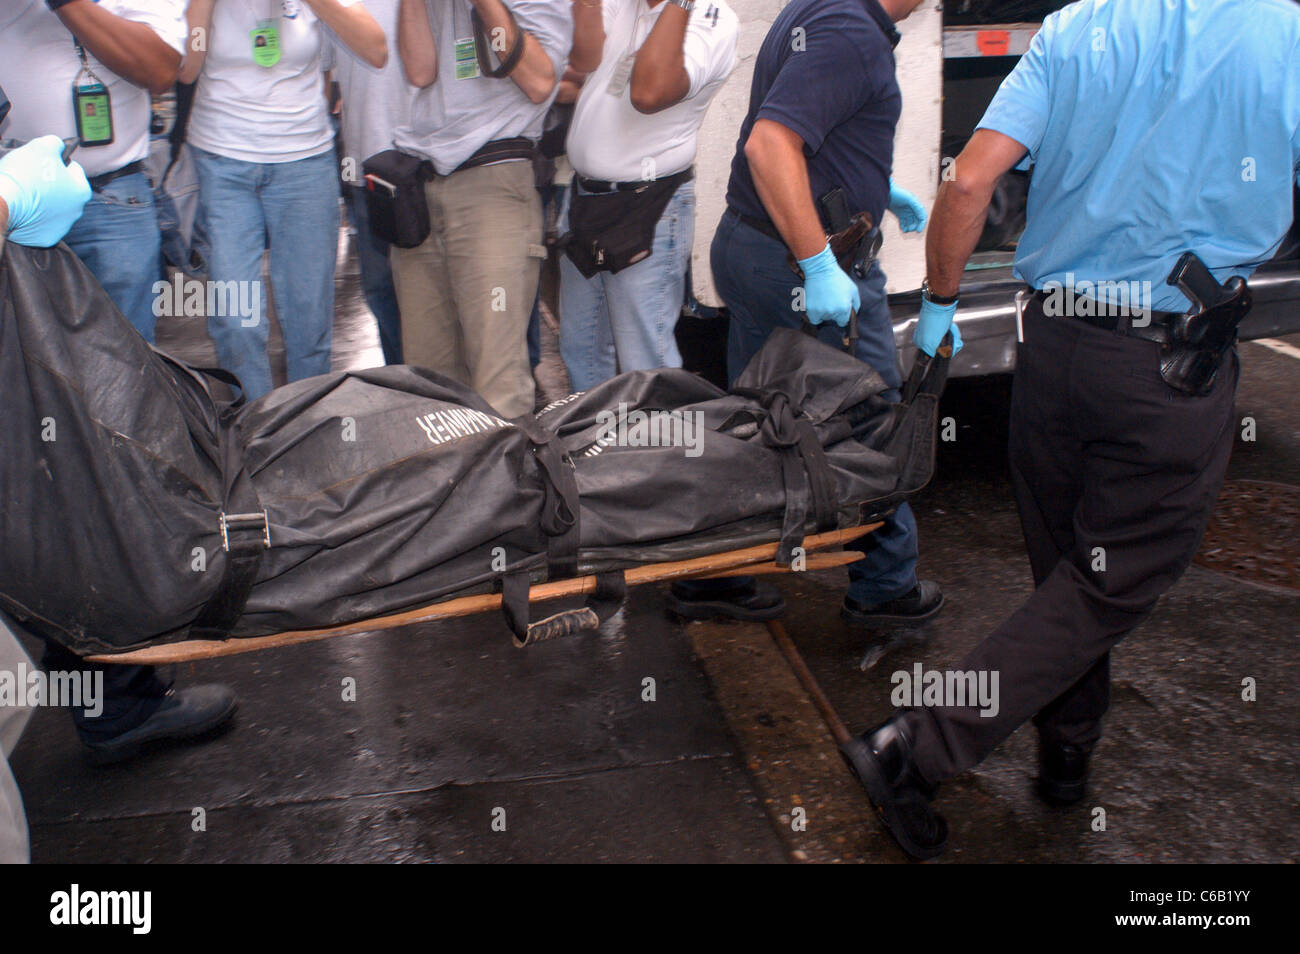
{"type": "Point", "coordinates": [608, 138]}
{"type": "Point", "coordinates": [257, 113]}
{"type": "Point", "coordinates": [375, 101]}
{"type": "Point", "coordinates": [454, 118]}
{"type": "Point", "coordinates": [39, 64]}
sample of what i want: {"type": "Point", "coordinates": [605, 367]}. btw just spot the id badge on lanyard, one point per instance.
{"type": "Point", "coordinates": [265, 37]}
{"type": "Point", "coordinates": [466, 51]}
{"type": "Point", "coordinates": [91, 105]}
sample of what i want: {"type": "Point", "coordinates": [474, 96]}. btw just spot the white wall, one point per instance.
{"type": "Point", "coordinates": [916, 154]}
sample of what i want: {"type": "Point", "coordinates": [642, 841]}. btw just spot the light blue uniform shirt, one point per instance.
{"type": "Point", "coordinates": [1155, 127]}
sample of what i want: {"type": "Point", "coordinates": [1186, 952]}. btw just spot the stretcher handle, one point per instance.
{"type": "Point", "coordinates": [929, 372]}
{"type": "Point", "coordinates": [566, 623]}
{"type": "Point", "coordinates": [848, 341]}
{"type": "Point", "coordinates": [601, 603]}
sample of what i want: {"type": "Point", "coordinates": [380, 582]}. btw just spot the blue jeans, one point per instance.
{"type": "Point", "coordinates": [625, 321]}
{"type": "Point", "coordinates": [376, 277]}
{"type": "Point", "coordinates": [118, 238]}
{"type": "Point", "coordinates": [292, 208]}
{"type": "Point", "coordinates": [751, 275]}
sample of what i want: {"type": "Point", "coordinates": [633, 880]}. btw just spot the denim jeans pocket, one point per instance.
{"type": "Point", "coordinates": [133, 191]}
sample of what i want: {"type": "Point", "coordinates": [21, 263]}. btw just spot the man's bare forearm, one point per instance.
{"type": "Point", "coordinates": [780, 172]}
{"type": "Point", "coordinates": [198, 16]}
{"type": "Point", "coordinates": [416, 44]}
{"type": "Point", "coordinates": [659, 77]}
{"type": "Point", "coordinates": [4, 223]}
{"type": "Point", "coordinates": [356, 27]}
{"type": "Point", "coordinates": [131, 50]}
{"type": "Point", "coordinates": [955, 228]}
{"type": "Point", "coordinates": [534, 73]}
{"type": "Point", "coordinates": [962, 206]}
{"type": "Point", "coordinates": [588, 36]}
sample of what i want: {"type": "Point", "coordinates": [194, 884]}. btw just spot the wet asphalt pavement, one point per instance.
{"type": "Point", "coordinates": [460, 747]}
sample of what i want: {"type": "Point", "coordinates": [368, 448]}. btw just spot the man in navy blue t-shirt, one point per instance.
{"type": "Point", "coordinates": [822, 111]}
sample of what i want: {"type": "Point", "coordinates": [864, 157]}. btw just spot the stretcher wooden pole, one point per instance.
{"type": "Point", "coordinates": [754, 560]}
{"type": "Point", "coordinates": [809, 682]}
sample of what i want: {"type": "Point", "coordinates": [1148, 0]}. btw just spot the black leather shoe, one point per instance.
{"type": "Point", "coordinates": [920, 602]}
{"type": "Point", "coordinates": [741, 597]}
{"type": "Point", "coordinates": [882, 761]}
{"type": "Point", "coordinates": [184, 713]}
{"type": "Point", "coordinates": [1062, 772]}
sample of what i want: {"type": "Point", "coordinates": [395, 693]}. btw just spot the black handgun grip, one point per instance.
{"type": "Point", "coordinates": [1193, 279]}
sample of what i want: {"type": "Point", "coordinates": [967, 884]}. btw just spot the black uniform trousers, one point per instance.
{"type": "Point", "coordinates": [1115, 476]}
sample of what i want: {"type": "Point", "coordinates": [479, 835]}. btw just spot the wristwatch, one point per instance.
{"type": "Point", "coordinates": [687, 5]}
{"type": "Point", "coordinates": [55, 4]}
{"type": "Point", "coordinates": [936, 299]}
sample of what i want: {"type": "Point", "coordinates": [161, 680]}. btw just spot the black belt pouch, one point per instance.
{"type": "Point", "coordinates": [395, 200]}
{"type": "Point", "coordinates": [609, 231]}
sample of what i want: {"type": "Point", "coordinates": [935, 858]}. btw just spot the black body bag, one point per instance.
{"type": "Point", "coordinates": [395, 200]}
{"type": "Point", "coordinates": [609, 231]}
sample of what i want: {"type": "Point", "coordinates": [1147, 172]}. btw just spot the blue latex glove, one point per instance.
{"type": "Point", "coordinates": [44, 196]}
{"type": "Point", "coordinates": [829, 294]}
{"type": "Point", "coordinates": [932, 324]}
{"type": "Point", "coordinates": [908, 208]}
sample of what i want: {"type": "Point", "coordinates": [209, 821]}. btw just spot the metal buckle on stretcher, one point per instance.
{"type": "Point", "coordinates": [244, 521]}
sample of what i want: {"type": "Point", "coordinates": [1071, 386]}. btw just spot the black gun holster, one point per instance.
{"type": "Point", "coordinates": [1199, 341]}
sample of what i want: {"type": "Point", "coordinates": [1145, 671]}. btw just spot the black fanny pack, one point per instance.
{"type": "Point", "coordinates": [608, 231]}
{"type": "Point", "coordinates": [395, 200]}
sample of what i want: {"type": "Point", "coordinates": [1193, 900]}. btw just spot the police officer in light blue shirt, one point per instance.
{"type": "Point", "coordinates": [1153, 128]}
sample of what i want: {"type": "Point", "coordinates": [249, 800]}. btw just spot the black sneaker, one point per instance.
{"type": "Point", "coordinates": [184, 713]}
{"type": "Point", "coordinates": [1063, 772]}
{"type": "Point", "coordinates": [737, 597]}
{"type": "Point", "coordinates": [882, 761]}
{"type": "Point", "coordinates": [920, 602]}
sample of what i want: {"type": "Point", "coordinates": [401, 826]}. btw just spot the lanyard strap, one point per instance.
{"type": "Point", "coordinates": [481, 46]}
{"type": "Point", "coordinates": [85, 65]}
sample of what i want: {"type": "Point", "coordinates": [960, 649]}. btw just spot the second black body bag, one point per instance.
{"type": "Point", "coordinates": [395, 200]}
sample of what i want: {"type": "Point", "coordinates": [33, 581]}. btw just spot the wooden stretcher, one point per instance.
{"type": "Point", "coordinates": [821, 553]}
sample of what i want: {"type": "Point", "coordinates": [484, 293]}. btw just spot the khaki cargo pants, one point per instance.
{"type": "Point", "coordinates": [467, 292]}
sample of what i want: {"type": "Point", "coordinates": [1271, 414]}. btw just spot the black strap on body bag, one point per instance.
{"type": "Point", "coordinates": [395, 200]}
{"type": "Point", "coordinates": [608, 231]}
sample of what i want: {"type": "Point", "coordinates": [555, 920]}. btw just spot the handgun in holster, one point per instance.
{"type": "Point", "coordinates": [854, 241]}
{"type": "Point", "coordinates": [853, 237]}
{"type": "Point", "coordinates": [1204, 335]}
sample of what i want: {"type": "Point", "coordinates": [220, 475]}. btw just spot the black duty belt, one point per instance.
{"type": "Point", "coordinates": [131, 168]}
{"type": "Point", "coordinates": [604, 185]}
{"type": "Point", "coordinates": [760, 225]}
{"type": "Point", "coordinates": [499, 150]}
{"type": "Point", "coordinates": [1154, 326]}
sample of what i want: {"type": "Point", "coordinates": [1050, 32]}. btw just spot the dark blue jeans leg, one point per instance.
{"type": "Point", "coordinates": [131, 693]}
{"type": "Point", "coordinates": [889, 570]}
{"type": "Point", "coordinates": [376, 277]}
{"type": "Point", "coordinates": [117, 237]}
{"type": "Point", "coordinates": [752, 276]}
